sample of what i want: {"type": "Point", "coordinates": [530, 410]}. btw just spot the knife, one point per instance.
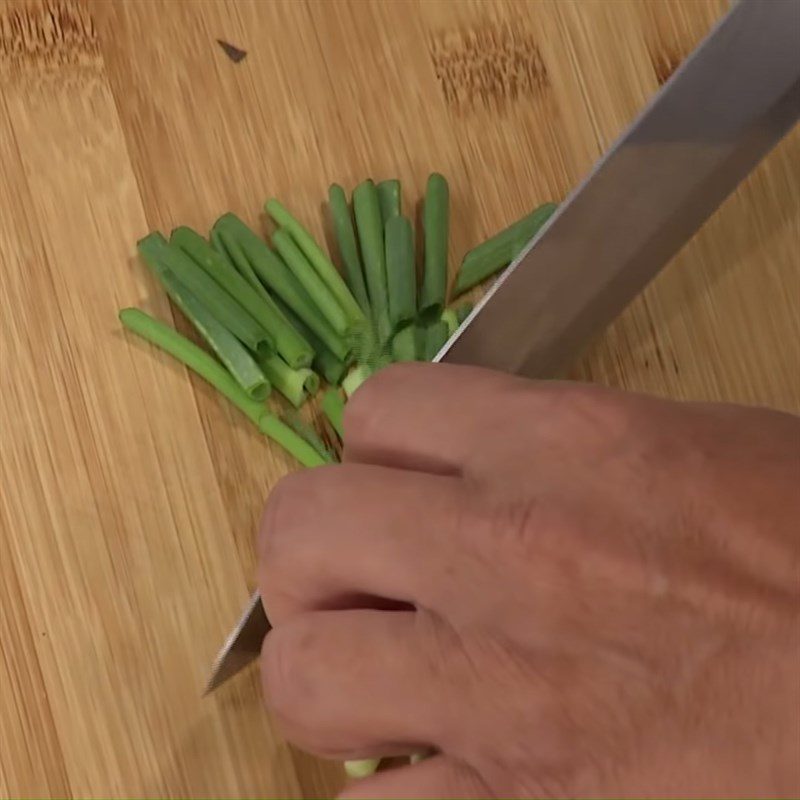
{"type": "Point", "coordinates": [730, 102]}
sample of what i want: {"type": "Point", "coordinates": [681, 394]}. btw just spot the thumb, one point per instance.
{"type": "Point", "coordinates": [436, 777]}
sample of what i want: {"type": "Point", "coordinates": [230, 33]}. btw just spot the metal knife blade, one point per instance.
{"type": "Point", "coordinates": [725, 107]}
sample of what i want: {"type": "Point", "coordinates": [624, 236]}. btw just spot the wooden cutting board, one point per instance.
{"type": "Point", "coordinates": [130, 492]}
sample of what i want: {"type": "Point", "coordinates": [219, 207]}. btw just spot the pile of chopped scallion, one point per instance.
{"type": "Point", "coordinates": [283, 317]}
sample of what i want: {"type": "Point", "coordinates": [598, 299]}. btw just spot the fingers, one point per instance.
{"type": "Point", "coordinates": [427, 417]}
{"type": "Point", "coordinates": [335, 537]}
{"type": "Point", "coordinates": [438, 777]}
{"type": "Point", "coordinates": [349, 684]}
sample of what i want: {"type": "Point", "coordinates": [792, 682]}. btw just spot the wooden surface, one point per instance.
{"type": "Point", "coordinates": [130, 493]}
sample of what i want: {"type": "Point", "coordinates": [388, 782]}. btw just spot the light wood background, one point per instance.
{"type": "Point", "coordinates": [130, 493]}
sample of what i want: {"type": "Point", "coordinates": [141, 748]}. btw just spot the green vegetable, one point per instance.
{"type": "Point", "coordinates": [293, 384]}
{"type": "Point", "coordinates": [308, 434]}
{"type": "Point", "coordinates": [404, 347]}
{"type": "Point", "coordinates": [348, 250]}
{"type": "Point", "coordinates": [436, 225]}
{"type": "Point", "coordinates": [333, 409]}
{"type": "Point", "coordinates": [311, 282]}
{"type": "Point", "coordinates": [450, 320]}
{"type": "Point", "coordinates": [233, 253]}
{"type": "Point", "coordinates": [318, 258]}
{"type": "Point", "coordinates": [281, 433]}
{"type": "Point", "coordinates": [160, 255]}
{"type": "Point", "coordinates": [499, 251]}
{"type": "Point", "coordinates": [401, 275]}
{"type": "Point", "coordinates": [389, 199]}
{"type": "Point", "coordinates": [435, 338]}
{"type": "Point", "coordinates": [361, 769]}
{"type": "Point", "coordinates": [463, 311]}
{"type": "Point", "coordinates": [355, 378]}
{"type": "Point", "coordinates": [276, 275]}
{"type": "Point", "coordinates": [288, 342]}
{"type": "Point", "coordinates": [370, 235]}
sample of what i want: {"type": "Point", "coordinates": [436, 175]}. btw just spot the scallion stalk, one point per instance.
{"type": "Point", "coordinates": [404, 346]}
{"type": "Point", "coordinates": [435, 339]}
{"type": "Point", "coordinates": [362, 768]}
{"type": "Point", "coordinates": [389, 199]}
{"type": "Point", "coordinates": [333, 409]}
{"type": "Point", "coordinates": [355, 378]}
{"type": "Point", "coordinates": [294, 384]}
{"type": "Point", "coordinates": [436, 227]}
{"type": "Point", "coordinates": [401, 274]}
{"type": "Point", "coordinates": [348, 249]}
{"type": "Point", "coordinates": [309, 435]}
{"type": "Point", "coordinates": [499, 251]}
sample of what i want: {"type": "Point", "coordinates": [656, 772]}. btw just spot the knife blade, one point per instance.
{"type": "Point", "coordinates": [730, 102]}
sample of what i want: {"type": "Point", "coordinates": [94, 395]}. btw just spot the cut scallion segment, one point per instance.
{"type": "Point", "coordinates": [401, 275]}
{"type": "Point", "coordinates": [451, 320]}
{"type": "Point", "coordinates": [333, 409]}
{"type": "Point", "coordinates": [233, 253]}
{"type": "Point", "coordinates": [309, 435]}
{"type": "Point", "coordinates": [271, 269]}
{"type": "Point", "coordinates": [362, 768]}
{"type": "Point", "coordinates": [435, 338]}
{"type": "Point", "coordinates": [355, 378]}
{"type": "Point", "coordinates": [436, 227]}
{"type": "Point", "coordinates": [348, 249]}
{"type": "Point", "coordinates": [288, 342]}
{"type": "Point", "coordinates": [311, 282]}
{"type": "Point", "coordinates": [160, 255]}
{"type": "Point", "coordinates": [294, 384]}
{"type": "Point", "coordinates": [463, 311]}
{"type": "Point", "coordinates": [389, 199]}
{"type": "Point", "coordinates": [370, 235]}
{"type": "Point", "coordinates": [318, 259]}
{"type": "Point", "coordinates": [404, 346]}
{"type": "Point", "coordinates": [195, 358]}
{"type": "Point", "coordinates": [230, 351]}
{"type": "Point", "coordinates": [499, 251]}
{"type": "Point", "coordinates": [290, 441]}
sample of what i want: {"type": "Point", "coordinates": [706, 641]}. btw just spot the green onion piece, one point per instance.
{"type": "Point", "coordinates": [195, 358]}
{"type": "Point", "coordinates": [436, 225]}
{"type": "Point", "coordinates": [311, 282]}
{"type": "Point", "coordinates": [463, 311]}
{"type": "Point", "coordinates": [401, 274]}
{"type": "Point", "coordinates": [233, 253]}
{"type": "Point", "coordinates": [499, 251]}
{"type": "Point", "coordinates": [451, 320]}
{"type": "Point", "coordinates": [294, 384]}
{"type": "Point", "coordinates": [290, 441]}
{"type": "Point", "coordinates": [230, 351]}
{"type": "Point", "coordinates": [355, 378]}
{"type": "Point", "coordinates": [318, 258]}
{"type": "Point", "coordinates": [276, 276]}
{"type": "Point", "coordinates": [159, 255]}
{"type": "Point", "coordinates": [370, 235]}
{"type": "Point", "coordinates": [333, 409]}
{"type": "Point", "coordinates": [361, 769]}
{"type": "Point", "coordinates": [348, 249]}
{"type": "Point", "coordinates": [288, 342]}
{"type": "Point", "coordinates": [404, 346]}
{"type": "Point", "coordinates": [389, 199]}
{"type": "Point", "coordinates": [435, 338]}
{"type": "Point", "coordinates": [308, 434]}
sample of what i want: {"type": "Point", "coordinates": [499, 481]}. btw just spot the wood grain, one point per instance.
{"type": "Point", "coordinates": [130, 493]}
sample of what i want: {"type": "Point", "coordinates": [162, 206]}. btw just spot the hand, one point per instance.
{"type": "Point", "coordinates": [563, 590]}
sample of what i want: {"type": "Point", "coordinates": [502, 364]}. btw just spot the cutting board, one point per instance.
{"type": "Point", "coordinates": [130, 492]}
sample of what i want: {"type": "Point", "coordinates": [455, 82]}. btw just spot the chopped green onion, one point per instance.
{"type": "Point", "coordinates": [463, 311]}
{"type": "Point", "coordinates": [451, 320]}
{"type": "Point", "coordinates": [233, 253]}
{"type": "Point", "coordinates": [362, 768]}
{"type": "Point", "coordinates": [288, 342]}
{"type": "Point", "coordinates": [294, 384]}
{"type": "Point", "coordinates": [192, 356]}
{"type": "Point", "coordinates": [318, 258]}
{"type": "Point", "coordinates": [355, 378]}
{"type": "Point", "coordinates": [404, 346]}
{"type": "Point", "coordinates": [436, 225]}
{"type": "Point", "coordinates": [401, 275]}
{"type": "Point", "coordinates": [370, 235]}
{"type": "Point", "coordinates": [348, 249]}
{"type": "Point", "coordinates": [159, 254]}
{"type": "Point", "coordinates": [311, 282]}
{"type": "Point", "coordinates": [281, 433]}
{"type": "Point", "coordinates": [276, 275]}
{"type": "Point", "coordinates": [230, 351]}
{"type": "Point", "coordinates": [308, 434]}
{"type": "Point", "coordinates": [499, 251]}
{"type": "Point", "coordinates": [333, 409]}
{"type": "Point", "coordinates": [435, 339]}
{"type": "Point", "coordinates": [389, 199]}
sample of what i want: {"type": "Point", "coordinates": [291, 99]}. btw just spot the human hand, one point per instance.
{"type": "Point", "coordinates": [560, 589]}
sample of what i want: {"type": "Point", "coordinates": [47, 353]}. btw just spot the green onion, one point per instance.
{"type": "Point", "coordinates": [276, 275]}
{"type": "Point", "coordinates": [318, 258]}
{"type": "Point", "coordinates": [159, 254]}
{"type": "Point", "coordinates": [233, 253]}
{"type": "Point", "coordinates": [451, 320]}
{"type": "Point", "coordinates": [288, 342]}
{"type": "Point", "coordinates": [230, 351]}
{"type": "Point", "coordinates": [370, 235]}
{"type": "Point", "coordinates": [348, 249]}
{"type": "Point", "coordinates": [308, 434]}
{"type": "Point", "coordinates": [362, 768]}
{"type": "Point", "coordinates": [192, 356]}
{"type": "Point", "coordinates": [401, 275]}
{"type": "Point", "coordinates": [404, 346]}
{"type": "Point", "coordinates": [389, 199]}
{"type": "Point", "coordinates": [435, 339]}
{"type": "Point", "coordinates": [333, 409]}
{"type": "Point", "coordinates": [499, 251]}
{"type": "Point", "coordinates": [293, 384]}
{"type": "Point", "coordinates": [311, 282]}
{"type": "Point", "coordinates": [463, 311]}
{"type": "Point", "coordinates": [436, 225]}
{"type": "Point", "coordinates": [355, 378]}
{"type": "Point", "coordinates": [281, 433]}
